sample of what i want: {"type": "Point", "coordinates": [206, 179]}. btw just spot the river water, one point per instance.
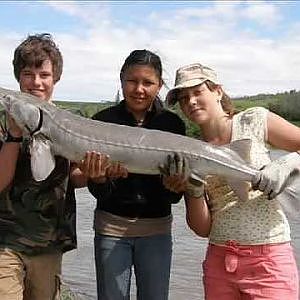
{"type": "Point", "coordinates": [188, 253]}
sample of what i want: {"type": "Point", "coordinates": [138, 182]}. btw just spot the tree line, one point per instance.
{"type": "Point", "coordinates": [285, 104]}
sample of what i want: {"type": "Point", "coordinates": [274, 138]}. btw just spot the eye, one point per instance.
{"type": "Point", "coordinates": [198, 93]}
{"type": "Point", "coordinates": [130, 81]}
{"type": "Point", "coordinates": [45, 75]}
{"type": "Point", "coordinates": [26, 73]}
{"type": "Point", "coordinates": [148, 83]}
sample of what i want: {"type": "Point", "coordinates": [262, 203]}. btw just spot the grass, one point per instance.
{"type": "Point", "coordinates": [297, 123]}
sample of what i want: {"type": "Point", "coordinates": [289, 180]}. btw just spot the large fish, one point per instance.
{"type": "Point", "coordinates": [55, 131]}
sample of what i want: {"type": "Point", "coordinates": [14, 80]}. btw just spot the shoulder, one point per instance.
{"type": "Point", "coordinates": [251, 123]}
{"type": "Point", "coordinates": [170, 121]}
{"type": "Point", "coordinates": [106, 114]}
{"type": "Point", "coordinates": [252, 114]}
{"type": "Point", "coordinates": [257, 110]}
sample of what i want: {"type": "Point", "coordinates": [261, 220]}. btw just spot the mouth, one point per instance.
{"type": "Point", "coordinates": [195, 110]}
{"type": "Point", "coordinates": [33, 92]}
{"type": "Point", "coordinates": [138, 100]}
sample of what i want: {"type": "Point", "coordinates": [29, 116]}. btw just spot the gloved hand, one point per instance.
{"type": "Point", "coordinates": [177, 176]}
{"type": "Point", "coordinates": [272, 179]}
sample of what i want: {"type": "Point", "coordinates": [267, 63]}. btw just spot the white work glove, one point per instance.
{"type": "Point", "coordinates": [273, 178]}
{"type": "Point", "coordinates": [177, 166]}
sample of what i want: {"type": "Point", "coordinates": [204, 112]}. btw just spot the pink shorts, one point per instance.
{"type": "Point", "coordinates": [264, 272]}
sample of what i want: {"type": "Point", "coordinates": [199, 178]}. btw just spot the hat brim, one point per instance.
{"type": "Point", "coordinates": [171, 97]}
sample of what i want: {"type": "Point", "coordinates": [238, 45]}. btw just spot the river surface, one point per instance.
{"type": "Point", "coordinates": [188, 253]}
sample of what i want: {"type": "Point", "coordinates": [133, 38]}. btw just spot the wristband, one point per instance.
{"type": "Point", "coordinates": [8, 138]}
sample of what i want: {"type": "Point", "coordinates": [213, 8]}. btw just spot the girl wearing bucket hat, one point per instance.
{"type": "Point", "coordinates": [249, 254]}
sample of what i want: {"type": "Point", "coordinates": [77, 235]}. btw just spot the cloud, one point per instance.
{"type": "Point", "coordinates": [8, 41]}
{"type": "Point", "coordinates": [230, 37]}
{"type": "Point", "coordinates": [91, 13]}
{"type": "Point", "coordinates": [264, 13]}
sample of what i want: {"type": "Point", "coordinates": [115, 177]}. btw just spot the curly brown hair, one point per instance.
{"type": "Point", "coordinates": [34, 50]}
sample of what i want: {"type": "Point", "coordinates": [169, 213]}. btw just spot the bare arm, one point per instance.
{"type": "Point", "coordinates": [282, 134]}
{"type": "Point", "coordinates": [9, 155]}
{"type": "Point", "coordinates": [198, 216]}
{"type": "Point", "coordinates": [197, 212]}
{"type": "Point", "coordinates": [274, 177]}
{"type": "Point", "coordinates": [8, 161]}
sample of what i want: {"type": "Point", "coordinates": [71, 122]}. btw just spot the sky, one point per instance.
{"type": "Point", "coordinates": [254, 46]}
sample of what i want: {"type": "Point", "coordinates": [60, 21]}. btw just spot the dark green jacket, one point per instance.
{"type": "Point", "coordinates": [38, 217]}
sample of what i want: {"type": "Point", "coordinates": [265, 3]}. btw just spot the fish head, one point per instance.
{"type": "Point", "coordinates": [25, 114]}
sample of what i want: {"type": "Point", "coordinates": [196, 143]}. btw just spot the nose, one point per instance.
{"type": "Point", "coordinates": [192, 100]}
{"type": "Point", "coordinates": [37, 80]}
{"type": "Point", "coordinates": [139, 87]}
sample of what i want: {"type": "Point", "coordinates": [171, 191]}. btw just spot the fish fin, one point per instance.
{"type": "Point", "coordinates": [42, 159]}
{"type": "Point", "coordinates": [289, 198]}
{"type": "Point", "coordinates": [240, 188]}
{"type": "Point", "coordinates": [242, 148]}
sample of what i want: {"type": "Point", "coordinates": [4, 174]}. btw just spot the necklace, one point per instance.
{"type": "Point", "coordinates": [140, 122]}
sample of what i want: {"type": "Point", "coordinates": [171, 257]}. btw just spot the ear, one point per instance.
{"type": "Point", "coordinates": [161, 82]}
{"type": "Point", "coordinates": [219, 92]}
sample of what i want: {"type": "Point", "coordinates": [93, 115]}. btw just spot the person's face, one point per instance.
{"type": "Point", "coordinates": [38, 81]}
{"type": "Point", "coordinates": [199, 103]}
{"type": "Point", "coordinates": [140, 86]}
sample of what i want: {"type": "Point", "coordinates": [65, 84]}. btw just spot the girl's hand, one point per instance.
{"type": "Point", "coordinates": [274, 177]}
{"type": "Point", "coordinates": [177, 179]}
{"type": "Point", "coordinates": [116, 170]}
{"type": "Point", "coordinates": [94, 166]}
{"type": "Point", "coordinates": [175, 183]}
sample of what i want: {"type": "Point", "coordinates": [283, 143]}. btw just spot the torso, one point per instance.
{"type": "Point", "coordinates": [257, 220]}
{"type": "Point", "coordinates": [35, 216]}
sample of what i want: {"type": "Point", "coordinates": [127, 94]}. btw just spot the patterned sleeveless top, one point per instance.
{"type": "Point", "coordinates": [256, 220]}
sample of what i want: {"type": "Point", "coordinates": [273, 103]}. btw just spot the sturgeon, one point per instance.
{"type": "Point", "coordinates": [56, 131]}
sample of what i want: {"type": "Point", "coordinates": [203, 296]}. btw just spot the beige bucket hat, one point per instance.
{"type": "Point", "coordinates": [189, 76]}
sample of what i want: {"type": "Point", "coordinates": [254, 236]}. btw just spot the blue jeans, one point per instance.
{"type": "Point", "coordinates": [151, 258]}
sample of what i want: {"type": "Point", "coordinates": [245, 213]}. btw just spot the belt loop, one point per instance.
{"type": "Point", "coordinates": [232, 243]}
{"type": "Point", "coordinates": [265, 249]}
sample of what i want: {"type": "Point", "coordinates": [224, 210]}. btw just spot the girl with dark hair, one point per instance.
{"type": "Point", "coordinates": [133, 214]}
